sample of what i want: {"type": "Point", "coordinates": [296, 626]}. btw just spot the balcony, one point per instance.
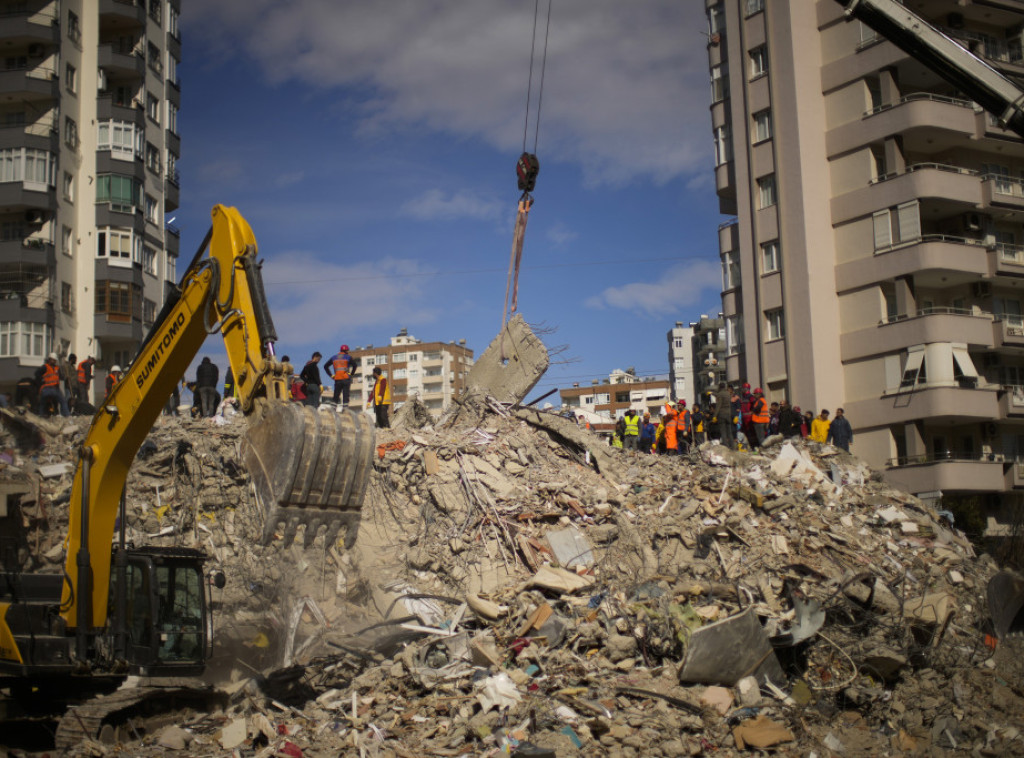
{"type": "Point", "coordinates": [33, 251]}
{"type": "Point", "coordinates": [107, 109]}
{"type": "Point", "coordinates": [171, 192]}
{"type": "Point", "coordinates": [1011, 402]}
{"type": "Point", "coordinates": [41, 136]}
{"type": "Point", "coordinates": [1002, 192]}
{"type": "Point", "coordinates": [1015, 475]}
{"type": "Point", "coordinates": [948, 472]}
{"type": "Point", "coordinates": [921, 117]}
{"type": "Point", "coordinates": [1008, 333]}
{"type": "Point", "coordinates": [25, 26]}
{"type": "Point", "coordinates": [21, 196]}
{"type": "Point", "coordinates": [924, 326]}
{"type": "Point", "coordinates": [958, 187]}
{"type": "Point", "coordinates": [932, 252]}
{"type": "Point", "coordinates": [30, 84]}
{"type": "Point", "coordinates": [939, 403]}
{"type": "Point", "coordinates": [122, 14]}
{"type": "Point", "coordinates": [121, 61]}
{"type": "Point", "coordinates": [172, 239]}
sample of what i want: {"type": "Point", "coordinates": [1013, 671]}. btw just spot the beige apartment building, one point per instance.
{"type": "Point", "coordinates": [433, 372]}
{"type": "Point", "coordinates": [875, 258]}
{"type": "Point", "coordinates": [89, 98]}
{"type": "Point", "coordinates": [622, 391]}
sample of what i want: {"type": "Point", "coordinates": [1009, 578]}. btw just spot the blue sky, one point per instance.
{"type": "Point", "coordinates": [372, 145]}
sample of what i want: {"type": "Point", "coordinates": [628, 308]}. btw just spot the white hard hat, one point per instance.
{"type": "Point", "coordinates": [52, 356]}
{"type": "Point", "coordinates": [115, 369]}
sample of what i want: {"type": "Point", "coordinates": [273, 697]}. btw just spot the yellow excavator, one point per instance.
{"type": "Point", "coordinates": [118, 610]}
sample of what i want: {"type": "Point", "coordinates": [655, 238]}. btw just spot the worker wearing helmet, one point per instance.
{"type": "Point", "coordinates": [759, 416]}
{"type": "Point", "coordinates": [340, 367]}
{"type": "Point", "coordinates": [113, 378]}
{"type": "Point", "coordinates": [50, 378]}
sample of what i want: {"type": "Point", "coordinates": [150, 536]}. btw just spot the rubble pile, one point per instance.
{"type": "Point", "coordinates": [519, 588]}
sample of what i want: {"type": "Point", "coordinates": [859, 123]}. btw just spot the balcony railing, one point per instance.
{"type": "Point", "coordinates": [947, 456]}
{"type": "Point", "coordinates": [1005, 185]}
{"type": "Point", "coordinates": [911, 168]}
{"type": "Point", "coordinates": [936, 310]}
{"type": "Point", "coordinates": [921, 96]}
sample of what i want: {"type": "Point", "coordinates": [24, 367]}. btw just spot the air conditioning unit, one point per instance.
{"type": "Point", "coordinates": [101, 80]}
{"type": "Point", "coordinates": [981, 289]}
{"type": "Point", "coordinates": [34, 216]}
{"type": "Point", "coordinates": [36, 51]}
{"type": "Point", "coordinates": [973, 222]}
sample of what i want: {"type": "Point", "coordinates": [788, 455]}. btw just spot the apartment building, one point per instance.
{"type": "Point", "coordinates": [89, 98]}
{"type": "Point", "coordinates": [875, 255]}
{"type": "Point", "coordinates": [622, 391]}
{"type": "Point", "coordinates": [434, 372]}
{"type": "Point", "coordinates": [681, 362]}
{"type": "Point", "coordinates": [708, 349]}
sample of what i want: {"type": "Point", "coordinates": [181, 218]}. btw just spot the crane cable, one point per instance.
{"type": "Point", "coordinates": [527, 168]}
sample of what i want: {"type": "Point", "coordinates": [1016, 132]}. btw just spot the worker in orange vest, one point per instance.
{"type": "Point", "coordinates": [671, 432]}
{"type": "Point", "coordinates": [340, 368]}
{"type": "Point", "coordinates": [113, 378]}
{"type": "Point", "coordinates": [683, 427]}
{"type": "Point", "coordinates": [50, 378]}
{"type": "Point", "coordinates": [85, 378]}
{"type": "Point", "coordinates": [759, 417]}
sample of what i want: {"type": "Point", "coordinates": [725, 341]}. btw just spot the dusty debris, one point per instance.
{"type": "Point", "coordinates": [517, 587]}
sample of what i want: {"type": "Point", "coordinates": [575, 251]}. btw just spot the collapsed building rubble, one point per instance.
{"type": "Point", "coordinates": [519, 588]}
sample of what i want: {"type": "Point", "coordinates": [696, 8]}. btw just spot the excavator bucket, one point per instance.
{"type": "Point", "coordinates": [1006, 603]}
{"type": "Point", "coordinates": [310, 468]}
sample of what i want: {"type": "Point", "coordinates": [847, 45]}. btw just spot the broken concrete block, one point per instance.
{"type": "Point", "coordinates": [571, 548]}
{"type": "Point", "coordinates": [233, 734]}
{"type": "Point", "coordinates": [718, 698]}
{"type": "Point", "coordinates": [511, 365]}
{"type": "Point", "coordinates": [933, 608]}
{"type": "Point", "coordinates": [749, 692]}
{"type": "Point", "coordinates": [760, 732]}
{"type": "Point", "coordinates": [559, 580]}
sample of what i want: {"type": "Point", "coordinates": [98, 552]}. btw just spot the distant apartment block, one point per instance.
{"type": "Point", "coordinates": [708, 347]}
{"type": "Point", "coordinates": [622, 391]}
{"type": "Point", "coordinates": [681, 362]}
{"type": "Point", "coordinates": [433, 372]}
{"type": "Point", "coordinates": [874, 258]}
{"type": "Point", "coordinates": [89, 98]}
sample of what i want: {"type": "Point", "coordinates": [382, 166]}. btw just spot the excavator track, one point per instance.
{"type": "Point", "coordinates": [85, 721]}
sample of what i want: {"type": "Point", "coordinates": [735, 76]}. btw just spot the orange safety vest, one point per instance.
{"type": "Point", "coordinates": [341, 363]}
{"type": "Point", "coordinates": [759, 411]}
{"type": "Point", "coordinates": [51, 376]}
{"type": "Point", "coordinates": [683, 422]}
{"type": "Point", "coordinates": [81, 373]}
{"type": "Point", "coordinates": [670, 432]}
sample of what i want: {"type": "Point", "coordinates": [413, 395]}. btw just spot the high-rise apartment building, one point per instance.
{"type": "Point", "coordinates": [89, 99]}
{"type": "Point", "coordinates": [433, 372]}
{"type": "Point", "coordinates": [708, 356]}
{"type": "Point", "coordinates": [681, 361]}
{"type": "Point", "coordinates": [875, 260]}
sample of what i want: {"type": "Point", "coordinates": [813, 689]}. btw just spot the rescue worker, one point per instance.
{"type": "Point", "coordinates": [746, 402]}
{"type": "Point", "coordinates": [659, 434]}
{"type": "Point", "coordinates": [759, 417]}
{"type": "Point", "coordinates": [340, 368]}
{"type": "Point", "coordinates": [682, 427]}
{"type": "Point", "coordinates": [68, 368]}
{"type": "Point", "coordinates": [840, 433]}
{"type": "Point", "coordinates": [631, 432]}
{"type": "Point", "coordinates": [819, 427]}
{"type": "Point", "coordinates": [671, 432]}
{"type": "Point", "coordinates": [647, 435]}
{"type": "Point", "coordinates": [113, 378]}
{"type": "Point", "coordinates": [229, 384]}
{"type": "Point", "coordinates": [85, 378]}
{"type": "Point", "coordinates": [381, 398]}
{"type": "Point", "coordinates": [697, 425]}
{"type": "Point", "coordinates": [726, 424]}
{"type": "Point", "coordinates": [310, 374]}
{"type": "Point", "coordinates": [789, 420]}
{"type": "Point", "coordinates": [50, 378]}
{"type": "Point", "coordinates": [207, 375]}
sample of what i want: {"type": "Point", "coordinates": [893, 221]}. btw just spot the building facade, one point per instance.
{"type": "Point", "coordinates": [708, 348]}
{"type": "Point", "coordinates": [434, 372]}
{"type": "Point", "coordinates": [875, 257]}
{"type": "Point", "coordinates": [89, 98]}
{"type": "Point", "coordinates": [622, 391]}
{"type": "Point", "coordinates": [681, 364]}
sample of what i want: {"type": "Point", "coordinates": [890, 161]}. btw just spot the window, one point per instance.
{"type": "Point", "coordinates": [70, 78]}
{"type": "Point", "coordinates": [754, 6]}
{"type": "Point", "coordinates": [913, 368]}
{"type": "Point", "coordinates": [716, 19]}
{"type": "Point", "coordinates": [723, 145]}
{"type": "Point", "coordinates": [152, 210]}
{"type": "Point", "coordinates": [766, 195]}
{"type": "Point", "coordinates": [115, 245]}
{"type": "Point", "coordinates": [172, 70]}
{"type": "Point", "coordinates": [122, 192]}
{"type": "Point", "coordinates": [153, 58]}
{"type": "Point", "coordinates": [733, 334]}
{"type": "Point", "coordinates": [66, 297]}
{"type": "Point", "coordinates": [172, 168]}
{"type": "Point", "coordinates": [172, 268]}
{"type": "Point", "coordinates": [897, 225]}
{"type": "Point", "coordinates": [123, 140]}
{"type": "Point", "coordinates": [153, 107]}
{"type": "Point", "coordinates": [149, 260]}
{"type": "Point", "coordinates": [731, 270]}
{"type": "Point", "coordinates": [770, 257]}
{"type": "Point", "coordinates": [70, 133]}
{"type": "Point", "coordinates": [758, 61]}
{"type": "Point", "coordinates": [153, 158]}
{"type": "Point", "coordinates": [68, 187]}
{"type": "Point", "coordinates": [400, 373]}
{"type": "Point", "coordinates": [172, 22]}
{"type": "Point", "coordinates": [148, 311]}
{"type": "Point", "coordinates": [172, 117]}
{"type": "Point", "coordinates": [719, 82]}
{"type": "Point", "coordinates": [155, 11]}
{"type": "Point", "coordinates": [602, 398]}
{"type": "Point", "coordinates": [120, 301]}
{"type": "Point", "coordinates": [678, 342]}
{"type": "Point", "coordinates": [67, 242]}
{"type": "Point", "coordinates": [762, 125]}
{"type": "Point", "coordinates": [24, 164]}
{"type": "Point", "coordinates": [414, 357]}
{"type": "Point", "coordinates": [776, 325]}
{"type": "Point", "coordinates": [12, 231]}
{"type": "Point", "coordinates": [24, 339]}
{"type": "Point", "coordinates": [398, 358]}
{"type": "Point", "coordinates": [74, 29]}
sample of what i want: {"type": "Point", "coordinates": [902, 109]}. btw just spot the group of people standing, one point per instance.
{"type": "Point", "coordinates": [307, 385]}
{"type": "Point", "coordinates": [738, 419]}
{"type": "Point", "coordinates": [61, 385]}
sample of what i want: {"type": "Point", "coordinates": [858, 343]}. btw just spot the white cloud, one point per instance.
{"type": "Point", "coordinates": [434, 205]}
{"type": "Point", "coordinates": [316, 302]}
{"type": "Point", "coordinates": [673, 292]}
{"type": "Point", "coordinates": [560, 234]}
{"type": "Point", "coordinates": [625, 85]}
